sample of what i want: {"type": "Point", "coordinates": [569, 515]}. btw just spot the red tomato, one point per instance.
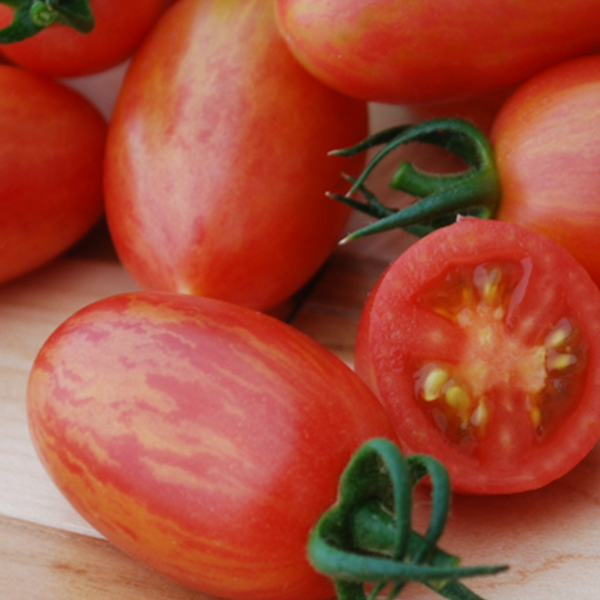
{"type": "Point", "coordinates": [539, 168]}
{"type": "Point", "coordinates": [482, 342]}
{"type": "Point", "coordinates": [409, 52]}
{"type": "Point", "coordinates": [217, 164]}
{"type": "Point", "coordinates": [60, 51]}
{"type": "Point", "coordinates": [201, 437]}
{"type": "Point", "coordinates": [546, 141]}
{"type": "Point", "coordinates": [52, 144]}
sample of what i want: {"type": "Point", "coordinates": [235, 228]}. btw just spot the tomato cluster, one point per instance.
{"type": "Point", "coordinates": [207, 438]}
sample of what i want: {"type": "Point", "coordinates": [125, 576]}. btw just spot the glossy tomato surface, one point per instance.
{"type": "Point", "coordinates": [52, 143]}
{"type": "Point", "coordinates": [201, 437]}
{"type": "Point", "coordinates": [482, 342]}
{"type": "Point", "coordinates": [217, 163]}
{"type": "Point", "coordinates": [435, 50]}
{"type": "Point", "coordinates": [546, 140]}
{"type": "Point", "coordinates": [60, 51]}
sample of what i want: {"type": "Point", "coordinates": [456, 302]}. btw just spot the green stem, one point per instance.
{"type": "Point", "coordinates": [442, 197]}
{"type": "Point", "coordinates": [32, 16]}
{"type": "Point", "coordinates": [367, 538]}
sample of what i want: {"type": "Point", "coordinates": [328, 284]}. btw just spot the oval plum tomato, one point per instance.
{"type": "Point", "coordinates": [60, 51]}
{"type": "Point", "coordinates": [546, 142]}
{"type": "Point", "coordinates": [402, 52]}
{"type": "Point", "coordinates": [52, 144]}
{"type": "Point", "coordinates": [201, 437]}
{"type": "Point", "coordinates": [482, 342]}
{"type": "Point", "coordinates": [217, 165]}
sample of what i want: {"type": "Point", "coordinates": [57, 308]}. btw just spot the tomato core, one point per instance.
{"type": "Point", "coordinates": [498, 374]}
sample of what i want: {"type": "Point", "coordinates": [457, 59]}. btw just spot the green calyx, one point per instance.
{"type": "Point", "coordinates": [32, 16]}
{"type": "Point", "coordinates": [475, 191]}
{"type": "Point", "coordinates": [366, 538]}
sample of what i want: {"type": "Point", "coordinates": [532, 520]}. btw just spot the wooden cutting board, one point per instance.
{"type": "Point", "coordinates": [550, 538]}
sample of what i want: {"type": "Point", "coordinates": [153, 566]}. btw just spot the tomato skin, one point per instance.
{"type": "Point", "coordinates": [60, 51]}
{"type": "Point", "coordinates": [413, 52]}
{"type": "Point", "coordinates": [201, 437]}
{"type": "Point", "coordinates": [215, 184]}
{"type": "Point", "coordinates": [545, 139]}
{"type": "Point", "coordinates": [398, 333]}
{"type": "Point", "coordinates": [51, 151]}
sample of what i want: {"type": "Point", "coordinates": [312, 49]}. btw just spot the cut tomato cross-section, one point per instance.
{"type": "Point", "coordinates": [482, 343]}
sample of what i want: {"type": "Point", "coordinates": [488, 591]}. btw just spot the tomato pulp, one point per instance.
{"type": "Point", "coordinates": [201, 437]}
{"type": "Point", "coordinates": [482, 342]}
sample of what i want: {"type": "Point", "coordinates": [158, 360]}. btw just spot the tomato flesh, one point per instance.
{"type": "Point", "coordinates": [499, 375]}
{"type": "Point", "coordinates": [480, 343]}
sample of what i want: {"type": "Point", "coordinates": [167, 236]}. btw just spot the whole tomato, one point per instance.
{"type": "Point", "coordinates": [201, 437]}
{"type": "Point", "coordinates": [436, 50]}
{"type": "Point", "coordinates": [546, 142]}
{"type": "Point", "coordinates": [217, 166]}
{"type": "Point", "coordinates": [52, 143]}
{"type": "Point", "coordinates": [537, 167]}
{"type": "Point", "coordinates": [60, 51]}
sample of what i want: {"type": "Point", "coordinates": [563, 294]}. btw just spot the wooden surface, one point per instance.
{"type": "Point", "coordinates": [551, 538]}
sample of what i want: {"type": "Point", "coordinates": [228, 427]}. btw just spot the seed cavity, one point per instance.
{"type": "Point", "coordinates": [493, 356]}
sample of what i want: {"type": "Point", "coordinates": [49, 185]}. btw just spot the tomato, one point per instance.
{"type": "Point", "coordinates": [60, 51]}
{"type": "Point", "coordinates": [546, 142]}
{"type": "Point", "coordinates": [411, 52]}
{"type": "Point", "coordinates": [217, 163]}
{"type": "Point", "coordinates": [52, 144]}
{"type": "Point", "coordinates": [537, 167]}
{"type": "Point", "coordinates": [201, 437]}
{"type": "Point", "coordinates": [482, 342]}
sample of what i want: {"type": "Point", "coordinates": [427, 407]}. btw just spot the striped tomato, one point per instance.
{"type": "Point", "coordinates": [217, 166]}
{"type": "Point", "coordinates": [201, 437]}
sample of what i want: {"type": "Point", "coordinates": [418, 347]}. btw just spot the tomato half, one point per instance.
{"type": "Point", "coordinates": [52, 143]}
{"type": "Point", "coordinates": [482, 342]}
{"type": "Point", "coordinates": [60, 51]}
{"type": "Point", "coordinates": [201, 437]}
{"type": "Point", "coordinates": [217, 164]}
{"type": "Point", "coordinates": [435, 50]}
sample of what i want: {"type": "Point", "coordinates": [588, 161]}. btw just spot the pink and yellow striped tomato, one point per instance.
{"type": "Point", "coordinates": [217, 166]}
{"type": "Point", "coordinates": [201, 437]}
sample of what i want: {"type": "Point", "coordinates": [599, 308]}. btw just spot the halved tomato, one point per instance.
{"type": "Point", "coordinates": [482, 342]}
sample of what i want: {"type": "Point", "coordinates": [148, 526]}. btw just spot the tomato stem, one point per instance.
{"type": "Point", "coordinates": [32, 16]}
{"type": "Point", "coordinates": [475, 191]}
{"type": "Point", "coordinates": [366, 537]}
